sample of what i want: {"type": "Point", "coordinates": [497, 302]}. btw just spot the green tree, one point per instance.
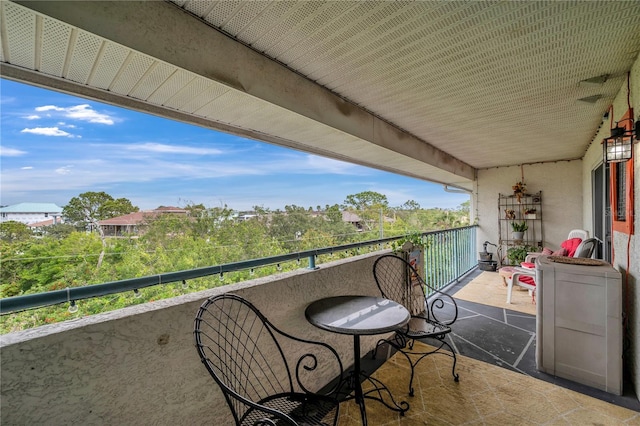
{"type": "Point", "coordinates": [366, 200]}
{"type": "Point", "coordinates": [58, 231]}
{"type": "Point", "coordinates": [11, 231]}
{"type": "Point", "coordinates": [11, 265]}
{"type": "Point", "coordinates": [88, 208]}
{"type": "Point", "coordinates": [289, 226]}
{"type": "Point", "coordinates": [465, 208]}
{"type": "Point", "coordinates": [367, 205]}
{"type": "Point", "coordinates": [445, 218]}
{"type": "Point", "coordinates": [410, 205]}
{"type": "Point", "coordinates": [196, 210]}
{"type": "Point", "coordinates": [333, 213]}
{"type": "Point", "coordinates": [51, 264]}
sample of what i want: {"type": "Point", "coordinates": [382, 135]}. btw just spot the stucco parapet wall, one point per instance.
{"type": "Point", "coordinates": [144, 308]}
{"type": "Point", "coordinates": [139, 365]}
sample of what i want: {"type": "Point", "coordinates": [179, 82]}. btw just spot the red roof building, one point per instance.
{"type": "Point", "coordinates": [130, 224]}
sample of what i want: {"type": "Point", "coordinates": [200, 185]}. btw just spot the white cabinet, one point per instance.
{"type": "Point", "coordinates": [579, 323]}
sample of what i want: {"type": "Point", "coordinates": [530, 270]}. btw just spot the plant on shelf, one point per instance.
{"type": "Point", "coordinates": [530, 213]}
{"type": "Point", "coordinates": [519, 190]}
{"type": "Point", "coordinates": [519, 226]}
{"type": "Point", "coordinates": [518, 254]}
{"type": "Point", "coordinates": [518, 230]}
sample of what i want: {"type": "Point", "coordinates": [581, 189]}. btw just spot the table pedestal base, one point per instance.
{"type": "Point", "coordinates": [378, 393]}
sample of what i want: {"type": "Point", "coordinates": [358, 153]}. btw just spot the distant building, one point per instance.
{"type": "Point", "coordinates": [245, 216]}
{"type": "Point", "coordinates": [29, 213]}
{"type": "Point", "coordinates": [48, 222]}
{"type": "Point", "coordinates": [129, 224]}
{"type": "Point", "coordinates": [353, 219]}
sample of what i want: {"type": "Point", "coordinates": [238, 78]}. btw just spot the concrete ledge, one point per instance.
{"type": "Point", "coordinates": [138, 365]}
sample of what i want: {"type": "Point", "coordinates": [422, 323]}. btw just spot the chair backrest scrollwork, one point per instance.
{"type": "Point", "coordinates": [246, 356]}
{"type": "Point", "coordinates": [395, 277]}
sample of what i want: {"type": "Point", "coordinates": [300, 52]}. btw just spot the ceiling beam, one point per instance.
{"type": "Point", "coordinates": [165, 32]}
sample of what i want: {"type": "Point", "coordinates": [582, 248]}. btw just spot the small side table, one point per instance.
{"type": "Point", "coordinates": [505, 272]}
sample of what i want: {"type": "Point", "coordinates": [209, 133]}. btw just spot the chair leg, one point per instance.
{"type": "Point", "coordinates": [509, 289]}
{"type": "Point", "coordinates": [400, 344]}
{"type": "Point", "coordinates": [456, 377]}
{"type": "Point", "coordinates": [412, 364]}
{"type": "Point", "coordinates": [375, 350]}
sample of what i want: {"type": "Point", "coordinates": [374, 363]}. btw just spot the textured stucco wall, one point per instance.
{"type": "Point", "coordinates": [626, 250]}
{"type": "Point", "coordinates": [561, 186]}
{"type": "Point", "coordinates": [139, 365]}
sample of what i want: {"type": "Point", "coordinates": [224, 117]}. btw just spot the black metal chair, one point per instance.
{"type": "Point", "coordinates": [432, 311]}
{"type": "Point", "coordinates": [252, 362]}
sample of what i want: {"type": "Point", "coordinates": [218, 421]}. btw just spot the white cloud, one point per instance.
{"type": "Point", "coordinates": [82, 112]}
{"type": "Point", "coordinates": [85, 113]}
{"type": "Point", "coordinates": [49, 108]}
{"type": "Point", "coordinates": [26, 168]}
{"type": "Point", "coordinates": [47, 131]}
{"type": "Point", "coordinates": [6, 100]}
{"type": "Point", "coordinates": [32, 117]}
{"type": "Point", "coordinates": [172, 149]}
{"type": "Point", "coordinates": [10, 152]}
{"type": "Point", "coordinates": [64, 170]}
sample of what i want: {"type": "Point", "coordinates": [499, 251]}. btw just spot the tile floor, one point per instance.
{"type": "Point", "coordinates": [485, 395]}
{"type": "Point", "coordinates": [499, 383]}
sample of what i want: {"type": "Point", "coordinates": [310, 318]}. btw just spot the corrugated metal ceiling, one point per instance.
{"type": "Point", "coordinates": [484, 81]}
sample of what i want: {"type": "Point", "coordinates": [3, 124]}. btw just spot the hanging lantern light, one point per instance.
{"type": "Point", "coordinates": [619, 146]}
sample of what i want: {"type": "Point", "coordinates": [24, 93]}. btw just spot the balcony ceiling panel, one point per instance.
{"type": "Point", "coordinates": [429, 89]}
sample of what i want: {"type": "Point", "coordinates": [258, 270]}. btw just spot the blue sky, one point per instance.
{"type": "Point", "coordinates": [54, 147]}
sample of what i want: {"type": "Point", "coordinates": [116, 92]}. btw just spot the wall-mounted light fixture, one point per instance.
{"type": "Point", "coordinates": [619, 146]}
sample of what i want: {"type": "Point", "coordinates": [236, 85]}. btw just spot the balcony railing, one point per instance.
{"type": "Point", "coordinates": [138, 365]}
{"type": "Point", "coordinates": [448, 255]}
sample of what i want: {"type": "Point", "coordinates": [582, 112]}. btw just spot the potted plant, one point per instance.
{"type": "Point", "coordinates": [408, 242]}
{"type": "Point", "coordinates": [518, 254]}
{"type": "Point", "coordinates": [530, 213]}
{"type": "Point", "coordinates": [519, 229]}
{"type": "Point", "coordinates": [519, 190]}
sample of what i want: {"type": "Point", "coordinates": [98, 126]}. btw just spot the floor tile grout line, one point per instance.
{"type": "Point", "coordinates": [453, 345]}
{"type": "Point", "coordinates": [520, 315]}
{"type": "Point", "coordinates": [506, 310]}
{"type": "Point", "coordinates": [524, 351]}
{"type": "Point", "coordinates": [496, 320]}
{"type": "Point", "coordinates": [490, 354]}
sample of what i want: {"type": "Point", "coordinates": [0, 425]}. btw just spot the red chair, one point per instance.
{"type": "Point", "coordinates": [569, 247]}
{"type": "Point", "coordinates": [525, 278]}
{"type": "Point", "coordinates": [524, 275]}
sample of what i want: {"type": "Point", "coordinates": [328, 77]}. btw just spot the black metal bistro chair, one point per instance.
{"type": "Point", "coordinates": [264, 373]}
{"type": "Point", "coordinates": [432, 311]}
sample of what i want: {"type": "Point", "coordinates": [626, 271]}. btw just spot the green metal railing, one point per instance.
{"type": "Point", "coordinates": [449, 254]}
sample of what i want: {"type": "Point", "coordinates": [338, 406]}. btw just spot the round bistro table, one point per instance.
{"type": "Point", "coordinates": [360, 316]}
